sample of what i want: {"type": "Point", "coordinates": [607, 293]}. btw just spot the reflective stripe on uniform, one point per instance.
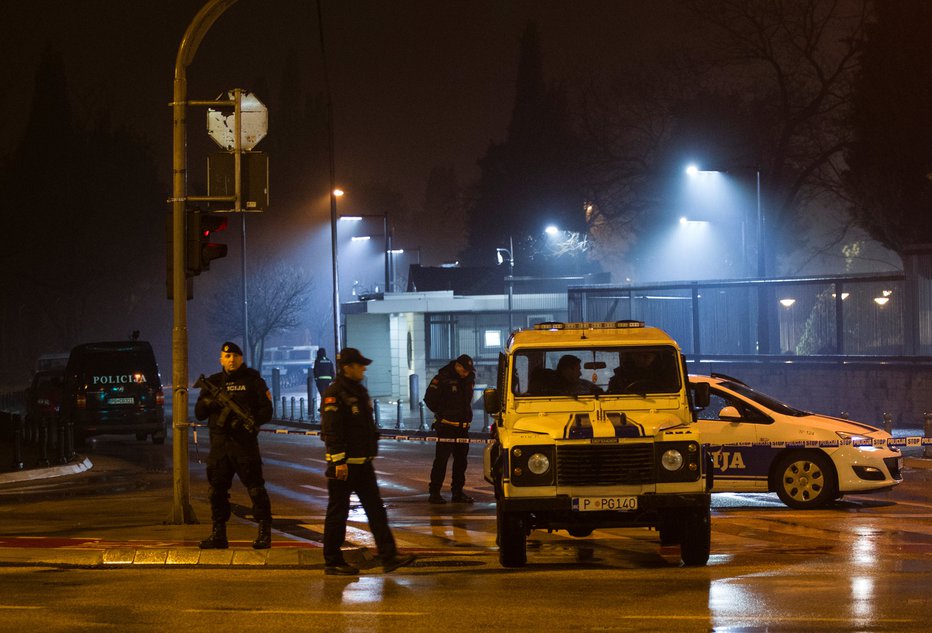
{"type": "Point", "coordinates": [456, 424]}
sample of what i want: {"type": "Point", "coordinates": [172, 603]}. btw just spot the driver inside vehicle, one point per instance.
{"type": "Point", "coordinates": [639, 370]}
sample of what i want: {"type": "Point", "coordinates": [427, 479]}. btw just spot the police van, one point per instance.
{"type": "Point", "coordinates": [594, 427]}
{"type": "Point", "coordinates": [113, 387]}
{"type": "Point", "coordinates": [759, 444]}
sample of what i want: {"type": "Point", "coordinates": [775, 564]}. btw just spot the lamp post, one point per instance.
{"type": "Point", "coordinates": [335, 192]}
{"type": "Point", "coordinates": [401, 251]}
{"type": "Point", "coordinates": [388, 240]}
{"type": "Point", "coordinates": [510, 279]}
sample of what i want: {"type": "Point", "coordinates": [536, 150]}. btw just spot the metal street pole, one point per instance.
{"type": "Point", "coordinates": [333, 185]}
{"type": "Point", "coordinates": [388, 255]}
{"type": "Point", "coordinates": [182, 512]}
{"type": "Point", "coordinates": [511, 283]}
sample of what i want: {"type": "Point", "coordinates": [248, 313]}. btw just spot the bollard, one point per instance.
{"type": "Point", "coordinates": [420, 410]}
{"type": "Point", "coordinates": [69, 442]}
{"type": "Point", "coordinates": [398, 425]}
{"type": "Point", "coordinates": [284, 404]}
{"type": "Point", "coordinates": [378, 414]}
{"type": "Point", "coordinates": [301, 409]}
{"type": "Point", "coordinates": [888, 423]}
{"type": "Point", "coordinates": [927, 433]}
{"type": "Point", "coordinates": [17, 442]}
{"type": "Point", "coordinates": [61, 443]}
{"type": "Point", "coordinates": [291, 417]}
{"type": "Point", "coordinates": [44, 442]}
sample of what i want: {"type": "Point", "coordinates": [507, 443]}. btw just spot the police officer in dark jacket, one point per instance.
{"type": "Point", "coordinates": [449, 396]}
{"type": "Point", "coordinates": [323, 371]}
{"type": "Point", "coordinates": [235, 449]}
{"type": "Point", "coordinates": [352, 441]}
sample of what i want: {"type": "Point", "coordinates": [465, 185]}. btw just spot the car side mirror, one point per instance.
{"type": "Point", "coordinates": [491, 401]}
{"type": "Point", "coordinates": [729, 413]}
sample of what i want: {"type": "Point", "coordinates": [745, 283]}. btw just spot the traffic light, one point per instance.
{"type": "Point", "coordinates": [200, 250]}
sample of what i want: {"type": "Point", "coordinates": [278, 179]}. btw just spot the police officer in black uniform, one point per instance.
{"type": "Point", "coordinates": [352, 440]}
{"type": "Point", "coordinates": [449, 396]}
{"type": "Point", "coordinates": [323, 371]}
{"type": "Point", "coordinates": [233, 448]}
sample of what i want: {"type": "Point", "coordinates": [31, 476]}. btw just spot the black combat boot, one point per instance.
{"type": "Point", "coordinates": [217, 538]}
{"type": "Point", "coordinates": [264, 540]}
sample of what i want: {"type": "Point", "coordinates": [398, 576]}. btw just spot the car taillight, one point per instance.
{"type": "Point", "coordinates": [80, 401]}
{"type": "Point", "coordinates": [159, 397]}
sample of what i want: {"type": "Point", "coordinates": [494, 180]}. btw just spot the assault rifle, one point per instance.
{"type": "Point", "coordinates": [220, 396]}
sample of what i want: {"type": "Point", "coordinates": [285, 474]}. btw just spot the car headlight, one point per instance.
{"type": "Point", "coordinates": [672, 459]}
{"type": "Point", "coordinates": [854, 437]}
{"type": "Point", "coordinates": [538, 463]}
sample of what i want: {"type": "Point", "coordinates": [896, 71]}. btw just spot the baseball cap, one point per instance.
{"type": "Point", "coordinates": [466, 361]}
{"type": "Point", "coordinates": [352, 355]}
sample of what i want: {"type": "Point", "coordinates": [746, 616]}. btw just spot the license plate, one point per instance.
{"type": "Point", "coordinates": [592, 504]}
{"type": "Point", "coordinates": [121, 401]}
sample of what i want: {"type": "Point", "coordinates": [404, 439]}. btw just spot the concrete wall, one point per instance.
{"type": "Point", "coordinates": [864, 391]}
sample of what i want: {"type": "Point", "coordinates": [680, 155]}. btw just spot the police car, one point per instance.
{"type": "Point", "coordinates": [759, 444]}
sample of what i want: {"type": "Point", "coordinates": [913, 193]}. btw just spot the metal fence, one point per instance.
{"type": "Point", "coordinates": [869, 315]}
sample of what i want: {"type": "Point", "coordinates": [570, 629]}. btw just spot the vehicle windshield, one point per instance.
{"type": "Point", "coordinates": [764, 400]}
{"type": "Point", "coordinates": [595, 371]}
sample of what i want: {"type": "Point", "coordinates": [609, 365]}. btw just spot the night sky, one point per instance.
{"type": "Point", "coordinates": [415, 83]}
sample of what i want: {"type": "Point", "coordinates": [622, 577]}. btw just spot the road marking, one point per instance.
{"type": "Point", "coordinates": [314, 488]}
{"type": "Point", "coordinates": [308, 612]}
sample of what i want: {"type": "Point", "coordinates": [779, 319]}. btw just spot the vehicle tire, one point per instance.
{"type": "Point", "coordinates": [805, 480]}
{"type": "Point", "coordinates": [512, 540]}
{"type": "Point", "coordinates": [696, 541]}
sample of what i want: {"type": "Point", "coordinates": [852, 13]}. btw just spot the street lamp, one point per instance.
{"type": "Point", "coordinates": [502, 254]}
{"type": "Point", "coordinates": [693, 170]}
{"type": "Point", "coordinates": [388, 240]}
{"type": "Point", "coordinates": [335, 193]}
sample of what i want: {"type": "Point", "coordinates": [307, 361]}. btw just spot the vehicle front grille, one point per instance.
{"type": "Point", "coordinates": [893, 466]}
{"type": "Point", "coordinates": [605, 464]}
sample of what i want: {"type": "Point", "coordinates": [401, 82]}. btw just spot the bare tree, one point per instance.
{"type": "Point", "coordinates": [279, 297]}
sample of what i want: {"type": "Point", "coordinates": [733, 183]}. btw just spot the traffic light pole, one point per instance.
{"type": "Point", "coordinates": [182, 512]}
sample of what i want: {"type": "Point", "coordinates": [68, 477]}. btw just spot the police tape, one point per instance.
{"type": "Point", "coordinates": [385, 434]}
{"type": "Point", "coordinates": [912, 441]}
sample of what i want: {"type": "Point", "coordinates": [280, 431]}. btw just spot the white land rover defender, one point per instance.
{"type": "Point", "coordinates": [595, 427]}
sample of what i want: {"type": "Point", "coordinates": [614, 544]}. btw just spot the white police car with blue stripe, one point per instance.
{"type": "Point", "coordinates": [759, 444]}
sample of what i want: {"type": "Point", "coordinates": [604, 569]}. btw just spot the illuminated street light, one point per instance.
{"type": "Point", "coordinates": [552, 231]}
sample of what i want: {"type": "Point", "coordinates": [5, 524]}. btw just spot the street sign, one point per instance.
{"type": "Point", "coordinates": [254, 122]}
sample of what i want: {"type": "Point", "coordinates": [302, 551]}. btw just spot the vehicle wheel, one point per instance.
{"type": "Point", "coordinates": [512, 540]}
{"type": "Point", "coordinates": [806, 480]}
{"type": "Point", "coordinates": [696, 542]}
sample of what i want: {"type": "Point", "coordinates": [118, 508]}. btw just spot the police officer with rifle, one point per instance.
{"type": "Point", "coordinates": [235, 401]}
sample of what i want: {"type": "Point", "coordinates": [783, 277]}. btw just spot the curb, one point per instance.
{"type": "Point", "coordinates": [31, 474]}
{"type": "Point", "coordinates": [918, 462]}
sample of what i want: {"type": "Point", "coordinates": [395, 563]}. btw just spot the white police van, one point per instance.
{"type": "Point", "coordinates": [595, 428]}
{"type": "Point", "coordinates": [759, 444]}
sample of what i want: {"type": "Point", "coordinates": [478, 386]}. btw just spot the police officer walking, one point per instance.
{"type": "Point", "coordinates": [449, 396]}
{"type": "Point", "coordinates": [352, 439]}
{"type": "Point", "coordinates": [234, 449]}
{"type": "Point", "coordinates": [323, 371]}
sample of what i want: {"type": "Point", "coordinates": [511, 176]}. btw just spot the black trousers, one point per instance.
{"type": "Point", "coordinates": [362, 481]}
{"type": "Point", "coordinates": [459, 451]}
{"type": "Point", "coordinates": [227, 458]}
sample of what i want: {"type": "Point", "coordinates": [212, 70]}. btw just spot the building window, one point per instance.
{"type": "Point", "coordinates": [492, 338]}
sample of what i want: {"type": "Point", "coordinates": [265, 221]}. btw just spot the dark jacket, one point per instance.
{"type": "Point", "coordinates": [247, 389]}
{"type": "Point", "coordinates": [323, 368]}
{"type": "Point", "coordinates": [449, 396]}
{"type": "Point", "coordinates": [347, 426]}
